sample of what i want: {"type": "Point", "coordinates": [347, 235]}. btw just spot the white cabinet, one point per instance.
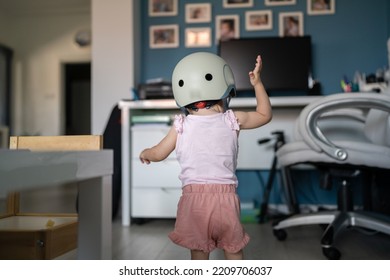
{"type": "Point", "coordinates": [156, 188]}
{"type": "Point", "coordinates": [154, 202]}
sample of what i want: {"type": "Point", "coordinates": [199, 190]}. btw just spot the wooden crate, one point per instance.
{"type": "Point", "coordinates": [30, 237]}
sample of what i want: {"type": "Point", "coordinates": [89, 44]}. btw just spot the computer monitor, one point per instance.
{"type": "Point", "coordinates": [287, 62]}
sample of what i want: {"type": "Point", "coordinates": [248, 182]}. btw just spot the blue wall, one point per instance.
{"type": "Point", "coordinates": [354, 38]}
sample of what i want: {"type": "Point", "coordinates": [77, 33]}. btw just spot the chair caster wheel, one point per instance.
{"type": "Point", "coordinates": [331, 253]}
{"type": "Point", "coordinates": [280, 234]}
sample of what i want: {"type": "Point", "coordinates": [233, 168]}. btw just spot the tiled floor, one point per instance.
{"type": "Point", "coordinates": [149, 241]}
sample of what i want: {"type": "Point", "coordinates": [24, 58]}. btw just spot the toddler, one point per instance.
{"type": "Point", "coordinates": [205, 138]}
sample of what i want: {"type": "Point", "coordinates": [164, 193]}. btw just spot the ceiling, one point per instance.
{"type": "Point", "coordinates": [39, 7]}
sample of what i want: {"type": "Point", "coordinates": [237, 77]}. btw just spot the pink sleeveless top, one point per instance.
{"type": "Point", "coordinates": [207, 148]}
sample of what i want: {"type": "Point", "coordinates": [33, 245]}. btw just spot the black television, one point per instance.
{"type": "Point", "coordinates": [287, 62]}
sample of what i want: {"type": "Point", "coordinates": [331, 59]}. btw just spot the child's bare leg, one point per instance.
{"type": "Point", "coordinates": [199, 255]}
{"type": "Point", "coordinates": [234, 256]}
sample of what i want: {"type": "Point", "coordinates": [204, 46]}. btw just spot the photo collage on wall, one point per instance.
{"type": "Point", "coordinates": [227, 26]}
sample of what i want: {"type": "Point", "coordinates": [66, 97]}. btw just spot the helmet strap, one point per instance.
{"type": "Point", "coordinates": [184, 110]}
{"type": "Point", "coordinates": [226, 102]}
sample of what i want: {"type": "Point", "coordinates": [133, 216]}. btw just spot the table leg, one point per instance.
{"type": "Point", "coordinates": [95, 221]}
{"type": "Point", "coordinates": [125, 118]}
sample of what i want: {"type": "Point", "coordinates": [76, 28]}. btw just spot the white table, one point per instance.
{"type": "Point", "coordinates": [23, 169]}
{"type": "Point", "coordinates": [251, 156]}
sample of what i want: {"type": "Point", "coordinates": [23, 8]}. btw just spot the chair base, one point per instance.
{"type": "Point", "coordinates": [336, 221]}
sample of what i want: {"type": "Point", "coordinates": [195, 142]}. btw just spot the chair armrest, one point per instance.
{"type": "Point", "coordinates": [308, 119]}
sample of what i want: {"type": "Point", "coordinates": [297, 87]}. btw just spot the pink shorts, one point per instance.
{"type": "Point", "coordinates": [208, 217]}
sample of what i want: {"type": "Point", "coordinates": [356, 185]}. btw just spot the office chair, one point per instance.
{"type": "Point", "coordinates": [342, 135]}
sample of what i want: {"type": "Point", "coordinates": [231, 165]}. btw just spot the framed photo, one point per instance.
{"type": "Point", "coordinates": [198, 37]}
{"type": "Point", "coordinates": [227, 27]}
{"type": "Point", "coordinates": [164, 36]}
{"type": "Point", "coordinates": [160, 8]}
{"type": "Point", "coordinates": [258, 20]}
{"type": "Point", "coordinates": [237, 3]}
{"type": "Point", "coordinates": [198, 13]}
{"type": "Point", "coordinates": [291, 24]}
{"type": "Point", "coordinates": [320, 7]}
{"type": "Point", "coordinates": [279, 2]}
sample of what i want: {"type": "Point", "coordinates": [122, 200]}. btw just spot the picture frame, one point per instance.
{"type": "Point", "coordinates": [290, 24]}
{"type": "Point", "coordinates": [227, 27]}
{"type": "Point", "coordinates": [279, 2]}
{"type": "Point", "coordinates": [198, 37]}
{"type": "Point", "coordinates": [197, 13]}
{"type": "Point", "coordinates": [237, 3]}
{"type": "Point", "coordinates": [321, 7]}
{"type": "Point", "coordinates": [160, 8]}
{"type": "Point", "coordinates": [258, 20]}
{"type": "Point", "coordinates": [164, 36]}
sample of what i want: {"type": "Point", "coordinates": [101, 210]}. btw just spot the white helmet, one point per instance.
{"type": "Point", "coordinates": [202, 76]}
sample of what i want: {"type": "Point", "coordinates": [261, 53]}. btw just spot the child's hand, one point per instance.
{"type": "Point", "coordinates": [143, 157]}
{"type": "Point", "coordinates": [254, 75]}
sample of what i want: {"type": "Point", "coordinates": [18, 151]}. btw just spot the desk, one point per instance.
{"type": "Point", "coordinates": [23, 169]}
{"type": "Point", "coordinates": [251, 155]}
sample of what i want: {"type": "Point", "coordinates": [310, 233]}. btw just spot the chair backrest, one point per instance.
{"type": "Point", "coordinates": [377, 127]}
{"type": "Point", "coordinates": [315, 138]}
{"type": "Point", "coordinates": [50, 143]}
{"type": "Point", "coordinates": [57, 143]}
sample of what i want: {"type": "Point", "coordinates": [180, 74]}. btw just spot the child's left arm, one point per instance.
{"type": "Point", "coordinates": [162, 150]}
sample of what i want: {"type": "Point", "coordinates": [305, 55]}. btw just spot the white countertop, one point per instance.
{"type": "Point", "coordinates": [238, 102]}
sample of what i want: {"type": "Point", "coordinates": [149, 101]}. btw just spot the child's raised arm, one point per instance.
{"type": "Point", "coordinates": [263, 113]}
